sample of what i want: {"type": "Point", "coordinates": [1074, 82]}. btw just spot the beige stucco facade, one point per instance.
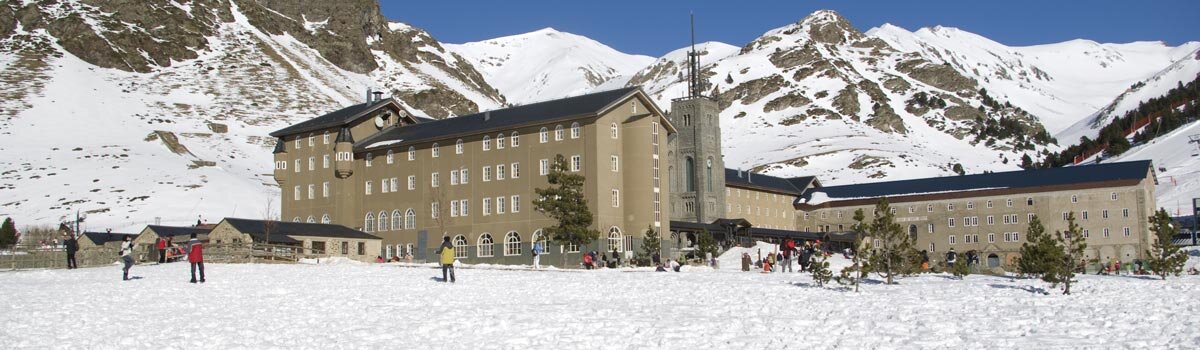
{"type": "Point", "coordinates": [766, 209]}
{"type": "Point", "coordinates": [485, 182]}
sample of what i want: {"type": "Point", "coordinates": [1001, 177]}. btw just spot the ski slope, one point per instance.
{"type": "Point", "coordinates": [1177, 162]}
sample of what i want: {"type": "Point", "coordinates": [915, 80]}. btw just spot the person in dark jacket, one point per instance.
{"type": "Point", "coordinates": [616, 259]}
{"type": "Point", "coordinates": [655, 259]}
{"type": "Point", "coordinates": [126, 257]}
{"type": "Point", "coordinates": [951, 258]}
{"type": "Point", "coordinates": [72, 246]}
{"type": "Point", "coordinates": [196, 257]}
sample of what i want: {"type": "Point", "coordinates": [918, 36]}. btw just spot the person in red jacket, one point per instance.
{"type": "Point", "coordinates": [196, 257]}
{"type": "Point", "coordinates": [162, 250]}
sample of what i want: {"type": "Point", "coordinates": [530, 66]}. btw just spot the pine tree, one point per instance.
{"type": "Point", "coordinates": [1166, 258]}
{"type": "Point", "coordinates": [650, 246]}
{"type": "Point", "coordinates": [1071, 244]}
{"type": "Point", "coordinates": [819, 268]}
{"type": "Point", "coordinates": [960, 269]}
{"type": "Point", "coordinates": [1039, 250]}
{"type": "Point", "coordinates": [891, 250]}
{"type": "Point", "coordinates": [8, 233]}
{"type": "Point", "coordinates": [705, 243]}
{"type": "Point", "coordinates": [853, 274]}
{"type": "Point", "coordinates": [564, 202]}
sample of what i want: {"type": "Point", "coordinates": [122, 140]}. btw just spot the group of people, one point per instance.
{"type": "Point", "coordinates": [194, 251]}
{"type": "Point", "coordinates": [781, 259]}
{"type": "Point", "coordinates": [590, 260]}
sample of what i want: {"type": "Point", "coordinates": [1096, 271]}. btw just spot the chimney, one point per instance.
{"type": "Point", "coordinates": [368, 95]}
{"type": "Point", "coordinates": [748, 174]}
{"type": "Point", "coordinates": [378, 96]}
{"type": "Point", "coordinates": [487, 116]}
{"type": "Point", "coordinates": [739, 173]}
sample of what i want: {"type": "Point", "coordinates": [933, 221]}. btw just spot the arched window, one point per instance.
{"type": "Point", "coordinates": [325, 219]}
{"type": "Point", "coordinates": [500, 142]}
{"type": "Point", "coordinates": [558, 132]}
{"type": "Point", "coordinates": [708, 174]}
{"type": "Point", "coordinates": [434, 150]}
{"type": "Point", "coordinates": [543, 135]}
{"type": "Point", "coordinates": [396, 220]}
{"type": "Point", "coordinates": [615, 239]}
{"type": "Point", "coordinates": [458, 146]}
{"type": "Point", "coordinates": [391, 157]}
{"type": "Point", "coordinates": [612, 130]}
{"type": "Point", "coordinates": [325, 138]}
{"type": "Point", "coordinates": [689, 174]}
{"type": "Point", "coordinates": [412, 153]}
{"type": "Point", "coordinates": [483, 248]}
{"type": "Point", "coordinates": [574, 130]}
{"type": "Point", "coordinates": [515, 139]}
{"type": "Point", "coordinates": [540, 237]}
{"type": "Point", "coordinates": [383, 221]}
{"type": "Point", "coordinates": [369, 223]}
{"type": "Point", "coordinates": [296, 219]}
{"type": "Point", "coordinates": [487, 143]}
{"type": "Point", "coordinates": [512, 243]}
{"type": "Point", "coordinates": [312, 219]}
{"type": "Point", "coordinates": [410, 219]}
{"type": "Point", "coordinates": [460, 246]}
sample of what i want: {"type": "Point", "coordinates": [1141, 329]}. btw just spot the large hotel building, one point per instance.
{"type": "Point", "coordinates": [411, 181]}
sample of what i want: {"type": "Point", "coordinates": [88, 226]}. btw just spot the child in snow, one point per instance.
{"type": "Point", "coordinates": [196, 257]}
{"type": "Point", "coordinates": [446, 251]}
{"type": "Point", "coordinates": [587, 261]}
{"type": "Point", "coordinates": [126, 257]}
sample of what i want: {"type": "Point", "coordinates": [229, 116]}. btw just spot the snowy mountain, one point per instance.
{"type": "Point", "coordinates": [1062, 84]}
{"type": "Point", "coordinates": [1177, 160]}
{"type": "Point", "coordinates": [547, 64]}
{"type": "Point", "coordinates": [108, 111]}
{"type": "Point", "coordinates": [818, 97]}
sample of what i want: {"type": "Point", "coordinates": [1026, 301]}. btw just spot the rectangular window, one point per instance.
{"type": "Point", "coordinates": [462, 174]}
{"type": "Point", "coordinates": [487, 173]}
{"type": "Point", "coordinates": [991, 220]}
{"type": "Point", "coordinates": [950, 207]}
{"type": "Point", "coordinates": [951, 222]}
{"type": "Point", "coordinates": [929, 208]}
{"type": "Point", "coordinates": [616, 198]}
{"type": "Point", "coordinates": [325, 138]}
{"type": "Point", "coordinates": [1087, 233]}
{"type": "Point", "coordinates": [325, 189]}
{"type": "Point", "coordinates": [454, 208]}
{"type": "Point", "coordinates": [368, 187]}
{"type": "Point", "coordinates": [297, 167]}
{"type": "Point", "coordinates": [543, 167]}
{"type": "Point", "coordinates": [1008, 202]}
{"type": "Point", "coordinates": [991, 238]}
{"type": "Point", "coordinates": [325, 162]}
{"type": "Point", "coordinates": [362, 248]}
{"type": "Point", "coordinates": [487, 144]}
{"type": "Point", "coordinates": [516, 170]}
{"type": "Point", "coordinates": [500, 141]}
{"type": "Point", "coordinates": [952, 240]}
{"type": "Point", "coordinates": [412, 153]}
{"type": "Point", "coordinates": [312, 191]}
{"type": "Point", "coordinates": [1029, 218]}
{"type": "Point", "coordinates": [1126, 230]}
{"type": "Point", "coordinates": [296, 193]}
{"type": "Point", "coordinates": [1064, 214]}
{"type": "Point", "coordinates": [1085, 215]}
{"type": "Point", "coordinates": [463, 205]}
{"type": "Point", "coordinates": [453, 177]}
{"type": "Point", "coordinates": [989, 204]}
{"type": "Point", "coordinates": [500, 202]}
{"type": "Point", "coordinates": [515, 140]}
{"type": "Point", "coordinates": [1112, 196]}
{"type": "Point", "coordinates": [1125, 212]}
{"type": "Point", "coordinates": [1104, 214]}
{"type": "Point", "coordinates": [1106, 233]}
{"type": "Point", "coordinates": [312, 163]}
{"type": "Point", "coordinates": [434, 210]}
{"type": "Point", "coordinates": [516, 204]}
{"type": "Point", "coordinates": [487, 206]}
{"type": "Point", "coordinates": [433, 180]}
{"type": "Point", "coordinates": [576, 163]}
{"type": "Point", "coordinates": [1016, 236]}
{"type": "Point", "coordinates": [499, 171]}
{"type": "Point", "coordinates": [412, 182]}
{"type": "Point", "coordinates": [614, 164]}
{"type": "Point", "coordinates": [383, 185]}
{"type": "Point", "coordinates": [1006, 221]}
{"type": "Point", "coordinates": [369, 159]}
{"type": "Point", "coordinates": [970, 205]}
{"type": "Point", "coordinates": [930, 228]}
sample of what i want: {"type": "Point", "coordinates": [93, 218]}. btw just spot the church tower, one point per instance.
{"type": "Point", "coordinates": [699, 170]}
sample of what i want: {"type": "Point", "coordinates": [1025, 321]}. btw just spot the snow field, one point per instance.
{"type": "Point", "coordinates": [375, 305]}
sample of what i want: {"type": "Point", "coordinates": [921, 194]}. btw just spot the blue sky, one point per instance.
{"type": "Point", "coordinates": [654, 27]}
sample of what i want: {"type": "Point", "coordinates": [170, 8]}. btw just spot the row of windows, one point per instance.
{"type": "Point", "coordinates": [297, 194]}
{"type": "Point", "coordinates": [951, 206]}
{"type": "Point", "coordinates": [774, 197]}
{"type": "Point", "coordinates": [325, 219]}
{"type": "Point", "coordinates": [759, 211]}
{"type": "Point", "coordinates": [312, 140]}
{"type": "Point", "coordinates": [380, 223]}
{"type": "Point", "coordinates": [462, 207]}
{"type": "Point", "coordinates": [513, 205]}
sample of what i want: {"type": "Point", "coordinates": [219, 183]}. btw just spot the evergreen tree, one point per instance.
{"type": "Point", "coordinates": [1071, 246]}
{"type": "Point", "coordinates": [1039, 251]}
{"type": "Point", "coordinates": [960, 269]}
{"type": "Point", "coordinates": [564, 202]}
{"type": "Point", "coordinates": [853, 274]}
{"type": "Point", "coordinates": [891, 248]}
{"type": "Point", "coordinates": [819, 268]}
{"type": "Point", "coordinates": [958, 169]}
{"type": "Point", "coordinates": [705, 243]}
{"type": "Point", "coordinates": [1027, 162]}
{"type": "Point", "coordinates": [8, 233]}
{"type": "Point", "coordinates": [650, 245]}
{"type": "Point", "coordinates": [1166, 258]}
{"type": "Point", "coordinates": [728, 78]}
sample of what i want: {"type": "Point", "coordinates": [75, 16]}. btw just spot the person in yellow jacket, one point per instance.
{"type": "Point", "coordinates": [446, 253]}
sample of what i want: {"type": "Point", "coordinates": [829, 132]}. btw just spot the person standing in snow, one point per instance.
{"type": "Point", "coordinates": [655, 259]}
{"type": "Point", "coordinates": [537, 255]}
{"type": "Point", "coordinates": [196, 257]}
{"type": "Point", "coordinates": [446, 252]}
{"type": "Point", "coordinates": [951, 258]}
{"type": "Point", "coordinates": [72, 246]}
{"type": "Point", "coordinates": [161, 245]}
{"type": "Point", "coordinates": [587, 261]}
{"type": "Point", "coordinates": [616, 259]}
{"type": "Point", "coordinates": [126, 257]}
{"type": "Point", "coordinates": [745, 261]}
{"type": "Point", "coordinates": [789, 248]}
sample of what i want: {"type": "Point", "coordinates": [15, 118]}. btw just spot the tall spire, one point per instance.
{"type": "Point", "coordinates": [695, 86]}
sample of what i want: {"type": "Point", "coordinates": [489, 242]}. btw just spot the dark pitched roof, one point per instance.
{"type": "Point", "coordinates": [741, 178]}
{"type": "Point", "coordinates": [1135, 170]}
{"type": "Point", "coordinates": [541, 112]}
{"type": "Point", "coordinates": [173, 231]}
{"type": "Point", "coordinates": [332, 119]}
{"type": "Point", "coordinates": [283, 228]}
{"type": "Point", "coordinates": [100, 238]}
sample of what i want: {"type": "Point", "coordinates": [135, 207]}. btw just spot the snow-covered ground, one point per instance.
{"type": "Point", "coordinates": [383, 305]}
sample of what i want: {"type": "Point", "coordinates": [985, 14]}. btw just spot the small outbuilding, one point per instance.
{"type": "Point", "coordinates": [102, 240]}
{"type": "Point", "coordinates": [323, 239]}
